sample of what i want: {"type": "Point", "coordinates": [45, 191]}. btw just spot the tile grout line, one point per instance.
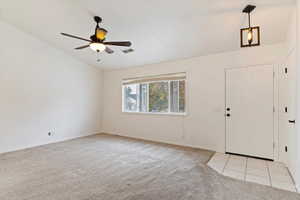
{"type": "Point", "coordinates": [292, 178]}
{"type": "Point", "coordinates": [246, 169]}
{"type": "Point", "coordinates": [269, 174]}
{"type": "Point", "coordinates": [225, 164]}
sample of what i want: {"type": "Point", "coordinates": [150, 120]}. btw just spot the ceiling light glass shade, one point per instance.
{"type": "Point", "coordinates": [101, 33]}
{"type": "Point", "coordinates": [99, 47]}
{"type": "Point", "coordinates": [250, 36]}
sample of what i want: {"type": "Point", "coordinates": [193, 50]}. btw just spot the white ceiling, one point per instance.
{"type": "Point", "coordinates": [160, 30]}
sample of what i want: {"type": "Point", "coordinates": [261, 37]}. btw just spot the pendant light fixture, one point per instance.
{"type": "Point", "coordinates": [250, 36]}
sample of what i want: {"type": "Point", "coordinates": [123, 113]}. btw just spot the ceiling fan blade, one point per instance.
{"type": "Point", "coordinates": [76, 37]}
{"type": "Point", "coordinates": [109, 50]}
{"type": "Point", "coordinates": [123, 44]}
{"type": "Point", "coordinates": [82, 47]}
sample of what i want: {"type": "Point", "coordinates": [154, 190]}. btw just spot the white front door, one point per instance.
{"type": "Point", "coordinates": [249, 111]}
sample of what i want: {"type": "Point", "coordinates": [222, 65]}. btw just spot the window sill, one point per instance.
{"type": "Point", "coordinates": [150, 113]}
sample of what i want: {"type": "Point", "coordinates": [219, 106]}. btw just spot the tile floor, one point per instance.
{"type": "Point", "coordinates": [269, 173]}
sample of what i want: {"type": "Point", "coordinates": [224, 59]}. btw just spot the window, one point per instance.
{"type": "Point", "coordinates": [160, 94]}
{"type": "Point", "coordinates": [131, 97]}
{"type": "Point", "coordinates": [177, 96]}
{"type": "Point", "coordinates": [159, 97]}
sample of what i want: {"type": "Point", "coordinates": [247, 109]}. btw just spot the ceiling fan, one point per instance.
{"type": "Point", "coordinates": [97, 41]}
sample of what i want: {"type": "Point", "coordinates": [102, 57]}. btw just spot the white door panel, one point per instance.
{"type": "Point", "coordinates": [249, 95]}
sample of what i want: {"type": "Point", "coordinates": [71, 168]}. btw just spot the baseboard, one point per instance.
{"type": "Point", "coordinates": [159, 141]}
{"type": "Point", "coordinates": [49, 142]}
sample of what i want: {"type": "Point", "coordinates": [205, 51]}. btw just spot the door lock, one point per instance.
{"type": "Point", "coordinates": [228, 115]}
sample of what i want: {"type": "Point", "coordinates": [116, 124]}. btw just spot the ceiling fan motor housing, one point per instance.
{"type": "Point", "coordinates": [98, 19]}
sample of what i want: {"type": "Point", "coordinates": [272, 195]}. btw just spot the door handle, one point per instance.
{"type": "Point", "coordinates": [292, 121]}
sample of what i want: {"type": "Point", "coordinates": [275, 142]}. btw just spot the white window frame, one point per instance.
{"type": "Point", "coordinates": [169, 99]}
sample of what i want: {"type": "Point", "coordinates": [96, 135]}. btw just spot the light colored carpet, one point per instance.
{"type": "Point", "coordinates": [103, 167]}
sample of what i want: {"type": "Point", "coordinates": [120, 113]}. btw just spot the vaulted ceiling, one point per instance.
{"type": "Point", "coordinates": [160, 30]}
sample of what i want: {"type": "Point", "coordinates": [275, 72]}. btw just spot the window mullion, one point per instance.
{"type": "Point", "coordinates": [178, 95]}
{"type": "Point", "coordinates": [123, 99]}
{"type": "Point", "coordinates": [148, 97]}
{"type": "Point", "coordinates": [138, 97]}
{"type": "Point", "coordinates": [169, 99]}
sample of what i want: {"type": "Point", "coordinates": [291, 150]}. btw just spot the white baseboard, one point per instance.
{"type": "Point", "coordinates": [50, 141]}
{"type": "Point", "coordinates": [159, 141]}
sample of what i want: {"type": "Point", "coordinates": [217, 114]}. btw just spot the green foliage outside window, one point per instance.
{"type": "Point", "coordinates": [158, 97]}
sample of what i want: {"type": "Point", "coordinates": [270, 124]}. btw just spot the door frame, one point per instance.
{"type": "Point", "coordinates": [275, 106]}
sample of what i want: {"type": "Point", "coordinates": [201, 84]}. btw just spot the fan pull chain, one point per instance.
{"type": "Point", "coordinates": [98, 55]}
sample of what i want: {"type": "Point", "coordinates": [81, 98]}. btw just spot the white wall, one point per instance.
{"type": "Point", "coordinates": [298, 96]}
{"type": "Point", "coordinates": [204, 125]}
{"type": "Point", "coordinates": [287, 98]}
{"type": "Point", "coordinates": [42, 89]}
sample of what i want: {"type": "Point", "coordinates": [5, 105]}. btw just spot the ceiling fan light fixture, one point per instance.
{"type": "Point", "coordinates": [96, 46]}
{"type": "Point", "coordinates": [96, 41]}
